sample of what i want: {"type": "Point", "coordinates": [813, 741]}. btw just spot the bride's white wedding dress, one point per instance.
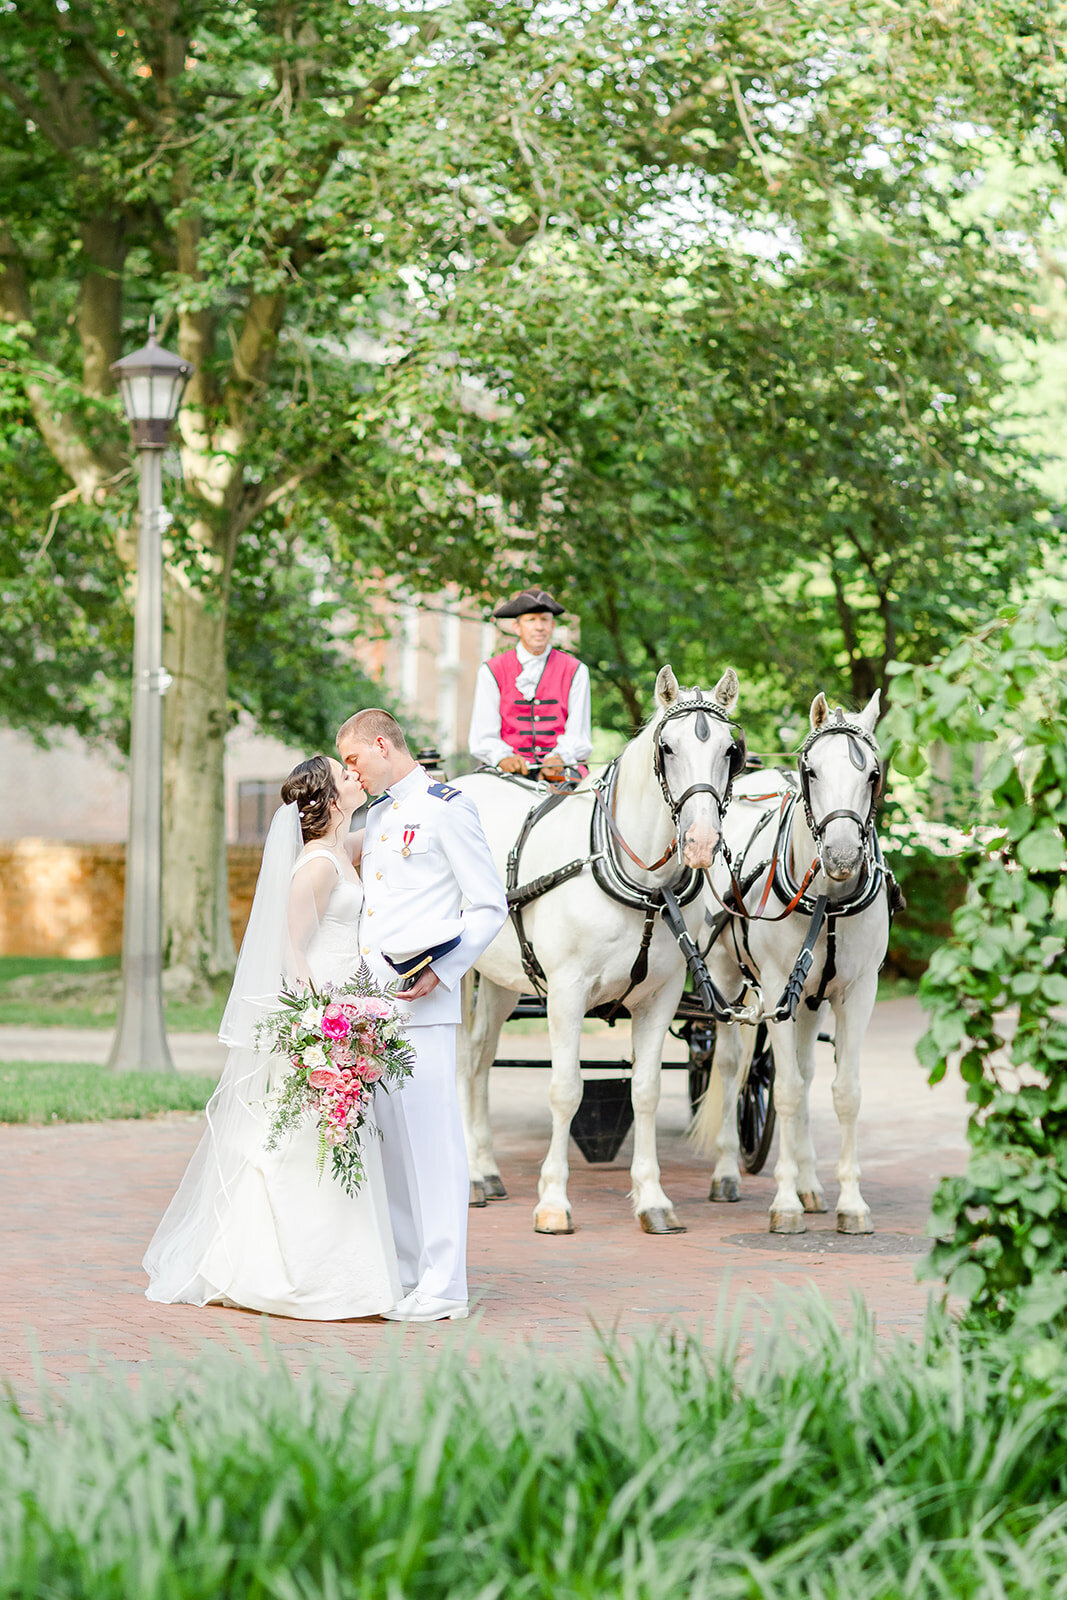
{"type": "Point", "coordinates": [256, 1227]}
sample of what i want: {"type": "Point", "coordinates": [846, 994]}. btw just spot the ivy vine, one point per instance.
{"type": "Point", "coordinates": [996, 991]}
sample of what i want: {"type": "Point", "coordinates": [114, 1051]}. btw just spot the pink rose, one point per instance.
{"type": "Point", "coordinates": [341, 1056]}
{"type": "Point", "coordinates": [325, 1078]}
{"type": "Point", "coordinates": [335, 1025]}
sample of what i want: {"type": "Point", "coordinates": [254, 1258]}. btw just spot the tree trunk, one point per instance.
{"type": "Point", "coordinates": [196, 921]}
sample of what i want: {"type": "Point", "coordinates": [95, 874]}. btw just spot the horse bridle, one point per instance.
{"type": "Point", "coordinates": [855, 736]}
{"type": "Point", "coordinates": [736, 755]}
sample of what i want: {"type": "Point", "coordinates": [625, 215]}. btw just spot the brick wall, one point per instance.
{"type": "Point", "coordinates": [59, 899]}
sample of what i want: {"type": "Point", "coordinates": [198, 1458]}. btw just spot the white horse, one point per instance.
{"type": "Point", "coordinates": [823, 837]}
{"type": "Point", "coordinates": [667, 792]}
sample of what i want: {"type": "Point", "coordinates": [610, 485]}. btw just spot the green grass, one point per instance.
{"type": "Point", "coordinates": [34, 966]}
{"type": "Point", "coordinates": [822, 1467]}
{"type": "Point", "coordinates": [45, 1092]}
{"type": "Point", "coordinates": [48, 991]}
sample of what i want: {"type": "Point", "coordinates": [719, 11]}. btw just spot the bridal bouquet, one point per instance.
{"type": "Point", "coordinates": [341, 1040]}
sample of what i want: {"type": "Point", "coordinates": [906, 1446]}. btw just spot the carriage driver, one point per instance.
{"type": "Point", "coordinates": [531, 703]}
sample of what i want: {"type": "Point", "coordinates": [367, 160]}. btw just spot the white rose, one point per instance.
{"type": "Point", "coordinates": [314, 1057]}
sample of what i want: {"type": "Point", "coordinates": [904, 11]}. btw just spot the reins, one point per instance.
{"type": "Point", "coordinates": [609, 818]}
{"type": "Point", "coordinates": [738, 891]}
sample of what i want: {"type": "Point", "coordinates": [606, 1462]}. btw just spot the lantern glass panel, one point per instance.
{"type": "Point", "coordinates": [169, 393]}
{"type": "Point", "coordinates": [137, 396]}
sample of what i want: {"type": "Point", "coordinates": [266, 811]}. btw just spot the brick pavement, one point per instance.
{"type": "Point", "coordinates": [80, 1203]}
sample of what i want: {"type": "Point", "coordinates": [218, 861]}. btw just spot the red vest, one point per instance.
{"type": "Point", "coordinates": [534, 727]}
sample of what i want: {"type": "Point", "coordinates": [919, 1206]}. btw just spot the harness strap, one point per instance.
{"type": "Point", "coordinates": [609, 817]}
{"type": "Point", "coordinates": [639, 970]}
{"type": "Point", "coordinates": [530, 964]}
{"type": "Point", "coordinates": [786, 1009]}
{"type": "Point", "coordinates": [712, 999]}
{"type": "Point", "coordinates": [517, 898]}
{"type": "Point", "coordinates": [829, 966]}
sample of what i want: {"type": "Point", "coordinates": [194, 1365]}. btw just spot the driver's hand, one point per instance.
{"type": "Point", "coordinates": [552, 767]}
{"type": "Point", "coordinates": [514, 764]}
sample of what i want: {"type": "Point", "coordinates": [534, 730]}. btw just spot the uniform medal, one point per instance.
{"type": "Point", "coordinates": [409, 838]}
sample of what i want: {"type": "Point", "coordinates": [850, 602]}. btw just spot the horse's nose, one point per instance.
{"type": "Point", "coordinates": [841, 864]}
{"type": "Point", "coordinates": [699, 846]}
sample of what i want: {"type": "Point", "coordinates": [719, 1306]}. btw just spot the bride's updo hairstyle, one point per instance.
{"type": "Point", "coordinates": [311, 787]}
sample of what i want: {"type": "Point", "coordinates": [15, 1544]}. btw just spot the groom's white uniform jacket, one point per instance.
{"type": "Point", "coordinates": [447, 862]}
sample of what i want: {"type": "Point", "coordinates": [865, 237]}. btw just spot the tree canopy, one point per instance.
{"type": "Point", "coordinates": [684, 306]}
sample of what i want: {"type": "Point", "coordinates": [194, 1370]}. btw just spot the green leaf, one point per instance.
{"type": "Point", "coordinates": [1042, 850]}
{"type": "Point", "coordinates": [1043, 1301]}
{"type": "Point", "coordinates": [967, 1281]}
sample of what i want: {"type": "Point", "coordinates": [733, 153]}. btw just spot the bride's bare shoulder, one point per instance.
{"type": "Point", "coordinates": [315, 868]}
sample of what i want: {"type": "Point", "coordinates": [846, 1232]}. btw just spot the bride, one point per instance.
{"type": "Point", "coordinates": [255, 1227]}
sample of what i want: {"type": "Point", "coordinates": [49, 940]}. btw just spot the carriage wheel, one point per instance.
{"type": "Point", "coordinates": [701, 1041]}
{"type": "Point", "coordinates": [755, 1106]}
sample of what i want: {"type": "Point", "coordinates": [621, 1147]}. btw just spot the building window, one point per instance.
{"type": "Point", "coordinates": [257, 801]}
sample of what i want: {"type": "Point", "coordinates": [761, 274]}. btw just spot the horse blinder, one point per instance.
{"type": "Point", "coordinates": [737, 755]}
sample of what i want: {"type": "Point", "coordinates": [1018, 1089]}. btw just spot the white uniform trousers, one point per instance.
{"type": "Point", "coordinates": [427, 1178]}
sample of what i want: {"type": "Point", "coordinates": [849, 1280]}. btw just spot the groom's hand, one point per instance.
{"type": "Point", "coordinates": [425, 984]}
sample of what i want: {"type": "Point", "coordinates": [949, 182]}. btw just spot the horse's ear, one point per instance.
{"type": "Point", "coordinates": [666, 688]}
{"type": "Point", "coordinates": [726, 690]}
{"type": "Point", "coordinates": [820, 711]}
{"type": "Point", "coordinates": [868, 717]}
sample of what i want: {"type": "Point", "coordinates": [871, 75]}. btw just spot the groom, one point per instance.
{"type": "Point", "coordinates": [424, 853]}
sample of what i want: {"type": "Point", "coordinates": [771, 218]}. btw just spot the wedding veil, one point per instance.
{"type": "Point", "coordinates": [265, 954]}
{"type": "Point", "coordinates": [195, 1220]}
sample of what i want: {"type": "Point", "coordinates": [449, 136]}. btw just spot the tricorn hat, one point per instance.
{"type": "Point", "coordinates": [529, 600]}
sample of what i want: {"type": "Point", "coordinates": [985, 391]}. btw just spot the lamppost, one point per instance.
{"type": "Point", "coordinates": [151, 382]}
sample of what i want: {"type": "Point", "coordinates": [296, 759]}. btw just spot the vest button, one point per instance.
{"type": "Point", "coordinates": [366, 949]}
{"type": "Point", "coordinates": [377, 874]}
{"type": "Point", "coordinates": [384, 837]}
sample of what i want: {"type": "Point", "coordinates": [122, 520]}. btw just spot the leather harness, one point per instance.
{"type": "Point", "coordinates": [820, 909]}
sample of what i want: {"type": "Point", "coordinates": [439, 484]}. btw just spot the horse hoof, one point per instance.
{"type": "Point", "coordinates": [477, 1194]}
{"type": "Point", "coordinates": [660, 1219]}
{"type": "Point", "coordinates": [854, 1222]}
{"type": "Point", "coordinates": [812, 1202]}
{"type": "Point", "coordinates": [494, 1189]}
{"type": "Point", "coordinates": [725, 1189]}
{"type": "Point", "coordinates": [554, 1221]}
{"type": "Point", "coordinates": [788, 1222]}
